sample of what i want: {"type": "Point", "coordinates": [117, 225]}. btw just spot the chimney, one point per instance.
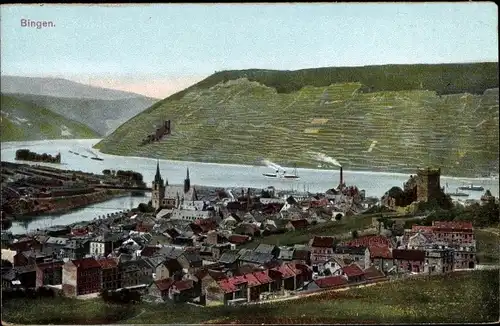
{"type": "Point", "coordinates": [341, 176]}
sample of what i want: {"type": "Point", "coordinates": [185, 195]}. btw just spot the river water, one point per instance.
{"type": "Point", "coordinates": [203, 174]}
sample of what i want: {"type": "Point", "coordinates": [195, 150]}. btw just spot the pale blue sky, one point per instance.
{"type": "Point", "coordinates": [191, 41]}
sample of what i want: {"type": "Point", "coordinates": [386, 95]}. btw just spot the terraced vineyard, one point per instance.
{"type": "Point", "coordinates": [242, 121]}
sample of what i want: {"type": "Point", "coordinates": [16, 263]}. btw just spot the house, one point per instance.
{"type": "Point", "coordinates": [49, 273]}
{"type": "Point", "coordinates": [370, 241]}
{"type": "Point", "coordinates": [167, 269]}
{"type": "Point", "coordinates": [230, 259]}
{"type": "Point", "coordinates": [190, 262]}
{"type": "Point", "coordinates": [409, 260]}
{"type": "Point", "coordinates": [286, 253]}
{"type": "Point", "coordinates": [358, 254]}
{"type": "Point", "coordinates": [111, 278]}
{"type": "Point", "coordinates": [256, 258]}
{"type": "Point", "coordinates": [249, 229]}
{"type": "Point", "coordinates": [182, 291]}
{"type": "Point", "coordinates": [30, 257]}
{"type": "Point", "coordinates": [159, 289]}
{"type": "Point", "coordinates": [354, 273]}
{"type": "Point", "coordinates": [25, 244]}
{"type": "Point", "coordinates": [454, 232]}
{"type": "Point", "coordinates": [214, 237]}
{"type": "Point", "coordinates": [239, 239]}
{"type": "Point", "coordinates": [321, 249]}
{"type": "Point", "coordinates": [26, 275]}
{"type": "Point", "coordinates": [301, 255]}
{"type": "Point", "coordinates": [76, 248]}
{"type": "Point", "coordinates": [324, 283]}
{"type": "Point", "coordinates": [149, 251]}
{"type": "Point", "coordinates": [131, 273]}
{"type": "Point", "coordinates": [206, 283]}
{"type": "Point", "coordinates": [297, 224]}
{"type": "Point", "coordinates": [267, 249]}
{"type": "Point", "coordinates": [331, 267]}
{"type": "Point", "coordinates": [373, 275]}
{"type": "Point", "coordinates": [381, 258]}
{"type": "Point", "coordinates": [102, 246]}
{"type": "Point", "coordinates": [439, 260]}
{"type": "Point", "coordinates": [81, 276]}
{"type": "Point", "coordinates": [465, 255]}
{"type": "Point", "coordinates": [418, 241]}
{"type": "Point", "coordinates": [231, 288]}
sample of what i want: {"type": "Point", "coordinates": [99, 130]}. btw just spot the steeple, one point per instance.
{"type": "Point", "coordinates": [158, 178]}
{"type": "Point", "coordinates": [187, 182]}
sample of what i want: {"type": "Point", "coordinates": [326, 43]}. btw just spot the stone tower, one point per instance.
{"type": "Point", "coordinates": [158, 191]}
{"type": "Point", "coordinates": [428, 184]}
{"type": "Point", "coordinates": [187, 182]}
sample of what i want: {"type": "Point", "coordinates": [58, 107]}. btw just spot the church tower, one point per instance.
{"type": "Point", "coordinates": [158, 191]}
{"type": "Point", "coordinates": [187, 182]}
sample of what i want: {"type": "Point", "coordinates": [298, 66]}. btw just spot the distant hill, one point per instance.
{"type": "Point", "coordinates": [59, 87]}
{"type": "Point", "coordinates": [101, 109]}
{"type": "Point", "coordinates": [24, 121]}
{"type": "Point", "coordinates": [103, 116]}
{"type": "Point", "coordinates": [409, 115]}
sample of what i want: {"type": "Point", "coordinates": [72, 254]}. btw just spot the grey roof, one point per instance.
{"type": "Point", "coordinates": [170, 252]}
{"type": "Point", "coordinates": [350, 250]}
{"type": "Point", "coordinates": [193, 258]}
{"type": "Point", "coordinates": [155, 260]}
{"type": "Point", "coordinates": [229, 257]}
{"type": "Point", "coordinates": [255, 257]}
{"type": "Point", "coordinates": [264, 248]}
{"type": "Point", "coordinates": [286, 253]}
{"type": "Point", "coordinates": [56, 241]}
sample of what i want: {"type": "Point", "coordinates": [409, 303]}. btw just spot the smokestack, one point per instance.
{"type": "Point", "coordinates": [341, 176]}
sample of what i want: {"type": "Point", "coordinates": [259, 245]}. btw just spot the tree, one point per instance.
{"type": "Point", "coordinates": [338, 217]}
{"type": "Point", "coordinates": [354, 234]}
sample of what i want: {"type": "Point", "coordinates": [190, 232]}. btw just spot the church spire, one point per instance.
{"type": "Point", "coordinates": [158, 178]}
{"type": "Point", "coordinates": [187, 182]}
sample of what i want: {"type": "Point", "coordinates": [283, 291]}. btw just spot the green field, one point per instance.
{"type": "Point", "coordinates": [243, 121]}
{"type": "Point", "coordinates": [487, 245]}
{"type": "Point", "coordinates": [22, 121]}
{"type": "Point", "coordinates": [464, 297]}
{"type": "Point", "coordinates": [331, 228]}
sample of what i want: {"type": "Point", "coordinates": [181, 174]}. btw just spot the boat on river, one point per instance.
{"type": "Point", "coordinates": [471, 188]}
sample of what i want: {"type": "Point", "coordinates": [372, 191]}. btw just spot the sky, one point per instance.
{"type": "Point", "coordinates": [158, 49]}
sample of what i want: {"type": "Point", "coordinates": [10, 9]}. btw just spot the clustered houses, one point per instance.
{"type": "Point", "coordinates": [452, 242]}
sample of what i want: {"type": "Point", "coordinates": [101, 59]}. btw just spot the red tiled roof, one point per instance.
{"type": "Point", "coordinates": [86, 263]}
{"type": "Point", "coordinates": [373, 273]}
{"type": "Point", "coordinates": [369, 240]}
{"type": "Point", "coordinates": [317, 203]}
{"type": "Point", "coordinates": [380, 252]}
{"type": "Point", "coordinates": [285, 271]}
{"type": "Point", "coordinates": [262, 277]}
{"type": "Point", "coordinates": [422, 228]}
{"type": "Point", "coordinates": [352, 270]}
{"type": "Point", "coordinates": [107, 263]}
{"type": "Point", "coordinates": [240, 279]}
{"type": "Point", "coordinates": [331, 281]}
{"type": "Point", "coordinates": [299, 224]}
{"type": "Point", "coordinates": [408, 254]}
{"type": "Point", "coordinates": [227, 286]}
{"type": "Point", "coordinates": [294, 269]}
{"type": "Point", "coordinates": [183, 285]}
{"type": "Point", "coordinates": [164, 284]}
{"type": "Point", "coordinates": [322, 242]}
{"type": "Point", "coordinates": [238, 238]}
{"type": "Point", "coordinates": [252, 280]}
{"type": "Point", "coordinates": [452, 225]}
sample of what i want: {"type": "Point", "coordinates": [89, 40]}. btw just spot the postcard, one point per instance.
{"type": "Point", "coordinates": [250, 163]}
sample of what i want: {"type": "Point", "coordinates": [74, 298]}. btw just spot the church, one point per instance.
{"type": "Point", "coordinates": [171, 196]}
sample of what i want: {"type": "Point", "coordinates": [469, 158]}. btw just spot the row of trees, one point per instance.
{"type": "Point", "coordinates": [127, 175]}
{"type": "Point", "coordinates": [124, 296]}
{"type": "Point", "coordinates": [41, 292]}
{"type": "Point", "coordinates": [27, 155]}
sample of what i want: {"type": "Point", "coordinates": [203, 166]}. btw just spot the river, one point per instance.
{"type": "Point", "coordinates": [204, 174]}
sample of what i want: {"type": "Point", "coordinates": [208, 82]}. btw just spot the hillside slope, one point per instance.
{"type": "Point", "coordinates": [103, 116]}
{"type": "Point", "coordinates": [23, 121]}
{"type": "Point", "coordinates": [400, 110]}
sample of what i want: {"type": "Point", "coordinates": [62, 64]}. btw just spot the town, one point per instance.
{"type": "Point", "coordinates": [210, 246]}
